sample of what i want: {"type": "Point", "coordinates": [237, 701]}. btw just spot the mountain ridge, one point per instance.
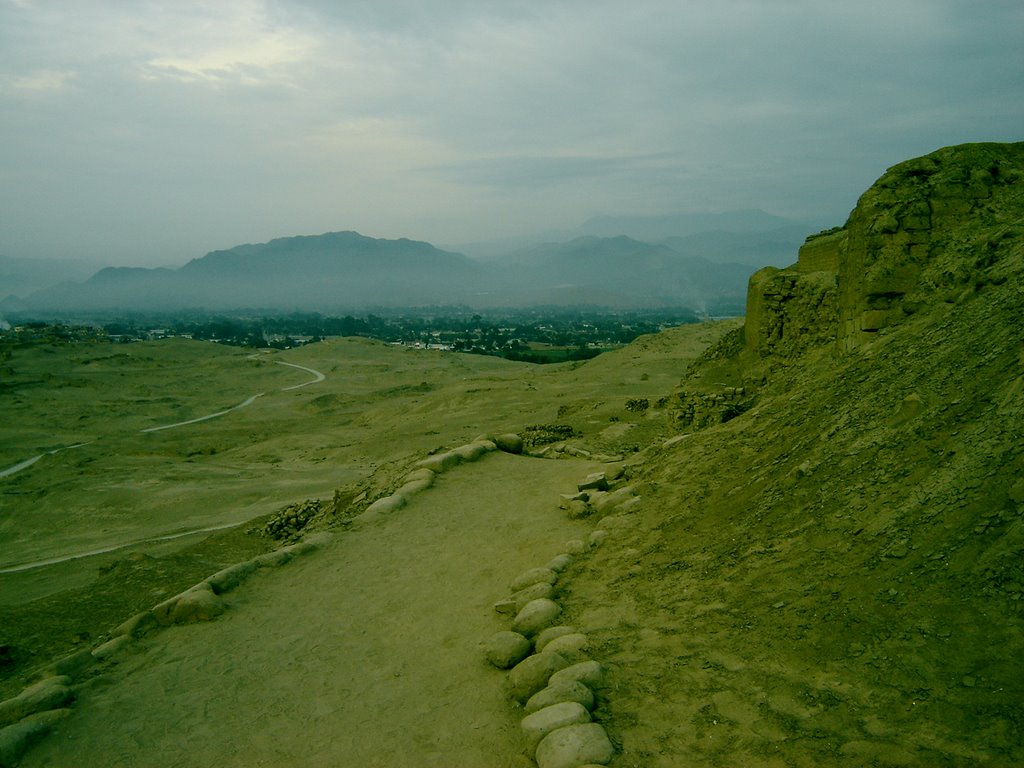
{"type": "Point", "coordinates": [344, 271]}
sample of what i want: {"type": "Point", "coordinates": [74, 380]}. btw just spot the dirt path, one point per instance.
{"type": "Point", "coordinates": [366, 653]}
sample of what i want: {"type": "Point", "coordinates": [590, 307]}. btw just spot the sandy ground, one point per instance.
{"type": "Point", "coordinates": [365, 653]}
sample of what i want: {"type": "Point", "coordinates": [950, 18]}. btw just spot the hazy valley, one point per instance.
{"type": "Point", "coordinates": [824, 566]}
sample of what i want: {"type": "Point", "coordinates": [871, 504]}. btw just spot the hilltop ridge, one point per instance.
{"type": "Point", "coordinates": [828, 567]}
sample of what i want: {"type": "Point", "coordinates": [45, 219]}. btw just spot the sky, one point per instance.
{"type": "Point", "coordinates": [141, 132]}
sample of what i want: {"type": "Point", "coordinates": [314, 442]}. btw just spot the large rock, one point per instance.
{"type": "Point", "coordinates": [559, 563]}
{"type": "Point", "coordinates": [539, 724]}
{"type": "Point", "coordinates": [565, 690]}
{"type": "Point", "coordinates": [532, 674]}
{"type": "Point", "coordinates": [597, 481]}
{"type": "Point", "coordinates": [136, 626]}
{"type": "Point", "coordinates": [473, 451]}
{"type": "Point", "coordinates": [418, 485]}
{"type": "Point", "coordinates": [74, 665]}
{"type": "Point", "coordinates": [590, 673]}
{"type": "Point", "coordinates": [608, 502]}
{"type": "Point", "coordinates": [506, 649]}
{"type": "Point", "coordinates": [574, 746]}
{"type": "Point", "coordinates": [197, 604]}
{"type": "Point", "coordinates": [546, 636]}
{"type": "Point", "coordinates": [51, 693]}
{"type": "Point", "coordinates": [386, 505]}
{"type": "Point", "coordinates": [440, 462]}
{"type": "Point", "coordinates": [524, 597]}
{"type": "Point", "coordinates": [112, 647]}
{"type": "Point", "coordinates": [274, 559]}
{"type": "Point", "coordinates": [535, 616]}
{"type": "Point", "coordinates": [17, 739]}
{"type": "Point", "coordinates": [231, 577]}
{"type": "Point", "coordinates": [533, 576]}
{"type": "Point", "coordinates": [573, 647]}
{"type": "Point", "coordinates": [509, 443]}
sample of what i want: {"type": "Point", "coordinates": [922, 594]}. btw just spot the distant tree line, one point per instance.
{"type": "Point", "coordinates": [534, 335]}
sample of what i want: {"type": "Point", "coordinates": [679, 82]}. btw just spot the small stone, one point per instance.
{"type": "Point", "coordinates": [574, 746]}
{"type": "Point", "coordinates": [549, 634]}
{"type": "Point", "coordinates": [596, 539]}
{"type": "Point", "coordinates": [506, 607]}
{"type": "Point", "coordinates": [533, 576]}
{"type": "Point", "coordinates": [506, 649]}
{"type": "Point", "coordinates": [532, 674]}
{"type": "Point", "coordinates": [567, 690]}
{"type": "Point", "coordinates": [539, 724]}
{"type": "Point", "coordinates": [535, 616]}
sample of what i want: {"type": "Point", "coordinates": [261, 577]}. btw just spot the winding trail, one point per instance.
{"type": "Point", "coordinates": [102, 551]}
{"type": "Point", "coordinates": [243, 404]}
{"type": "Point", "coordinates": [29, 462]}
{"type": "Point", "coordinates": [317, 378]}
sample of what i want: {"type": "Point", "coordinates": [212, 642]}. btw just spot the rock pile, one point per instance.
{"type": "Point", "coordinates": [289, 522]}
{"type": "Point", "coordinates": [550, 672]}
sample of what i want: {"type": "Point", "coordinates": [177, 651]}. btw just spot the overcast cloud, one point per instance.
{"type": "Point", "coordinates": [137, 132]}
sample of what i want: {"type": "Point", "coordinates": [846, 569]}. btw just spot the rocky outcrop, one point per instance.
{"type": "Point", "coordinates": [928, 230]}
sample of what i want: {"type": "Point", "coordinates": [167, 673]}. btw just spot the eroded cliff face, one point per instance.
{"type": "Point", "coordinates": [931, 231]}
{"type": "Point", "coordinates": [928, 230]}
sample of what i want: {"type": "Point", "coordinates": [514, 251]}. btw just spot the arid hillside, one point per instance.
{"type": "Point", "coordinates": [828, 568]}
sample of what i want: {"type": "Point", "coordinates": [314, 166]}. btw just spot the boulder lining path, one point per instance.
{"type": "Point", "coordinates": [366, 653]}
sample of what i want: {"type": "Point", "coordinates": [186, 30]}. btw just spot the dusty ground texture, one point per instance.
{"type": "Point", "coordinates": [365, 653]}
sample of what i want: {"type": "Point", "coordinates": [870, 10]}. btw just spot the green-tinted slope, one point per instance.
{"type": "Point", "coordinates": [835, 576]}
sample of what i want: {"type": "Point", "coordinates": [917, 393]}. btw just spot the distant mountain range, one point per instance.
{"type": "Point", "coordinates": [704, 270]}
